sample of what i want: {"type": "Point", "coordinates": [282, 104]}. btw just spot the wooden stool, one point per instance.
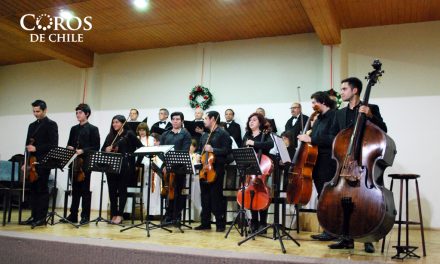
{"type": "Point", "coordinates": [407, 250]}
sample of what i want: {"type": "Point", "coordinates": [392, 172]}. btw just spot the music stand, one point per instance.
{"type": "Point", "coordinates": [279, 231]}
{"type": "Point", "coordinates": [247, 164]}
{"type": "Point", "coordinates": [175, 159]}
{"type": "Point", "coordinates": [57, 158]}
{"type": "Point", "coordinates": [104, 162]}
{"type": "Point", "coordinates": [149, 152]}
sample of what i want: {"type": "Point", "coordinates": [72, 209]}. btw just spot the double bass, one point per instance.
{"type": "Point", "coordinates": [353, 205]}
{"type": "Point", "coordinates": [300, 182]}
{"type": "Point", "coordinates": [256, 192]}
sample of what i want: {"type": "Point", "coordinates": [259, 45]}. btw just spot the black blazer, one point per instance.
{"type": "Point", "coordinates": [272, 125]}
{"type": "Point", "coordinates": [234, 130]}
{"type": "Point", "coordinates": [340, 121]}
{"type": "Point", "coordinates": [296, 129]}
{"type": "Point", "coordinates": [168, 126]}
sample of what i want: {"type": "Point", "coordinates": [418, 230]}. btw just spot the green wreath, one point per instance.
{"type": "Point", "coordinates": [337, 97]}
{"type": "Point", "coordinates": [200, 91]}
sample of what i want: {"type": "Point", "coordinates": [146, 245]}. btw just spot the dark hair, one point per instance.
{"type": "Point", "coordinates": [289, 135]}
{"type": "Point", "coordinates": [354, 82]}
{"type": "Point", "coordinates": [324, 98]}
{"type": "Point", "coordinates": [177, 114]}
{"type": "Point", "coordinates": [143, 126]}
{"type": "Point", "coordinates": [166, 111]}
{"type": "Point", "coordinates": [40, 103]}
{"type": "Point", "coordinates": [261, 120]}
{"type": "Point", "coordinates": [222, 124]}
{"type": "Point", "coordinates": [214, 114]}
{"type": "Point", "coordinates": [85, 108]}
{"type": "Point", "coordinates": [229, 109]}
{"type": "Point", "coordinates": [156, 136]}
{"type": "Point", "coordinates": [121, 119]}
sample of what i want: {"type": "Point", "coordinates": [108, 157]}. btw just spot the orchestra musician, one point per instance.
{"type": "Point", "coordinates": [273, 126]}
{"type": "Point", "coordinates": [257, 139]}
{"type": "Point", "coordinates": [351, 89]}
{"type": "Point", "coordinates": [325, 166]}
{"type": "Point", "coordinates": [162, 123]}
{"type": "Point", "coordinates": [232, 127]}
{"type": "Point", "coordinates": [83, 137]}
{"type": "Point", "coordinates": [42, 136]}
{"type": "Point", "coordinates": [181, 139]}
{"type": "Point", "coordinates": [120, 139]}
{"type": "Point", "coordinates": [213, 201]}
{"type": "Point", "coordinates": [294, 122]}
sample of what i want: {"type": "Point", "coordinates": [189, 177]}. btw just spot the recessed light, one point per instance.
{"type": "Point", "coordinates": [141, 4]}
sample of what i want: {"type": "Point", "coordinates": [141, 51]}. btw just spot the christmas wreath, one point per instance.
{"type": "Point", "coordinates": [206, 97]}
{"type": "Point", "coordinates": [335, 96]}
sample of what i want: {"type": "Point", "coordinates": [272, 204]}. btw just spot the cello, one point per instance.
{"type": "Point", "coordinates": [353, 205]}
{"type": "Point", "coordinates": [256, 192]}
{"type": "Point", "coordinates": [300, 182]}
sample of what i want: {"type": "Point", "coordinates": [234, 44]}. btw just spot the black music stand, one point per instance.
{"type": "Point", "coordinates": [104, 162]}
{"type": "Point", "coordinates": [56, 158]}
{"type": "Point", "coordinates": [247, 164]}
{"type": "Point", "coordinates": [149, 152]}
{"type": "Point", "coordinates": [181, 161]}
{"type": "Point", "coordinates": [279, 231]}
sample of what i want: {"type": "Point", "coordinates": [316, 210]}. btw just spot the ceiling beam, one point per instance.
{"type": "Point", "coordinates": [323, 17]}
{"type": "Point", "coordinates": [13, 34]}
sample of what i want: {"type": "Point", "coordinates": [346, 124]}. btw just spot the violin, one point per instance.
{"type": "Point", "coordinates": [207, 173]}
{"type": "Point", "coordinates": [256, 192]}
{"type": "Point", "coordinates": [77, 170]}
{"type": "Point", "coordinates": [353, 204]}
{"type": "Point", "coordinates": [31, 171]}
{"type": "Point", "coordinates": [167, 189]}
{"type": "Point", "coordinates": [300, 182]}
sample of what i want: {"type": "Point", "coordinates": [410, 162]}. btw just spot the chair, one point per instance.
{"type": "Point", "coordinates": [136, 192]}
{"type": "Point", "coordinates": [406, 250]}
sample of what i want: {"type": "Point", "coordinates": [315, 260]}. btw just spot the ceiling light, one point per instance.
{"type": "Point", "coordinates": [141, 4]}
{"type": "Point", "coordinates": [66, 14]}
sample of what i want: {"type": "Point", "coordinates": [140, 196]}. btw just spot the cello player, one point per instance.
{"type": "Point", "coordinates": [325, 166]}
{"type": "Point", "coordinates": [351, 89]}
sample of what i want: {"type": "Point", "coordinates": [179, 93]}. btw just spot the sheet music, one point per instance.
{"type": "Point", "coordinates": [164, 149]}
{"type": "Point", "coordinates": [71, 160]}
{"type": "Point", "coordinates": [282, 149]}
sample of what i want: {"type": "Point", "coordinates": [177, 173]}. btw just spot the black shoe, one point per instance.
{"type": "Point", "coordinates": [204, 227]}
{"type": "Point", "coordinates": [29, 221]}
{"type": "Point", "coordinates": [41, 222]}
{"type": "Point", "coordinates": [369, 247]}
{"type": "Point", "coordinates": [343, 243]}
{"type": "Point", "coordinates": [220, 229]}
{"type": "Point", "coordinates": [324, 236]}
{"type": "Point", "coordinates": [84, 220]}
{"type": "Point", "coordinates": [71, 218]}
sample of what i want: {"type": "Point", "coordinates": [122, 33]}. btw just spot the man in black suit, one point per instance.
{"type": "Point", "coordinates": [351, 89]}
{"type": "Point", "coordinates": [162, 124]}
{"type": "Point", "coordinates": [233, 128]}
{"type": "Point", "coordinates": [294, 123]}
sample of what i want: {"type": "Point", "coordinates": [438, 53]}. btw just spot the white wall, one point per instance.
{"type": "Point", "coordinates": [243, 75]}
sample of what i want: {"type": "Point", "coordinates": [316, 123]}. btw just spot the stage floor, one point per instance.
{"type": "Point", "coordinates": [192, 240]}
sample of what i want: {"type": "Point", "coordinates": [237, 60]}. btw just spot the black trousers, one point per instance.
{"type": "Point", "coordinates": [259, 218]}
{"type": "Point", "coordinates": [175, 206]}
{"type": "Point", "coordinates": [323, 171]}
{"type": "Point", "coordinates": [39, 194]}
{"type": "Point", "coordinates": [213, 201]}
{"type": "Point", "coordinates": [81, 190]}
{"type": "Point", "coordinates": [117, 189]}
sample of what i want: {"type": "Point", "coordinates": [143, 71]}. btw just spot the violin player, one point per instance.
{"type": "Point", "coordinates": [83, 137]}
{"type": "Point", "coordinates": [212, 197]}
{"type": "Point", "coordinates": [120, 139]}
{"type": "Point", "coordinates": [325, 166]}
{"type": "Point", "coordinates": [181, 139]}
{"type": "Point", "coordinates": [42, 136]}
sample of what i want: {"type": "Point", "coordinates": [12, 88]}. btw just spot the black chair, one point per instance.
{"type": "Point", "coordinates": [406, 250]}
{"type": "Point", "coordinates": [136, 193]}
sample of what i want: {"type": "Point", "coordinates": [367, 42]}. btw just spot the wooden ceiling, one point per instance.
{"type": "Point", "coordinates": [118, 26]}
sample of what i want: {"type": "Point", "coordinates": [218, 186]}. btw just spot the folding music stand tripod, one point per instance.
{"type": "Point", "coordinates": [149, 152]}
{"type": "Point", "coordinates": [104, 162]}
{"type": "Point", "coordinates": [56, 158]}
{"type": "Point", "coordinates": [279, 231]}
{"type": "Point", "coordinates": [247, 164]}
{"type": "Point", "coordinates": [176, 159]}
